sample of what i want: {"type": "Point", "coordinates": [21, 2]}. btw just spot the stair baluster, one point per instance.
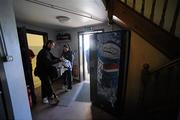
{"type": "Point", "coordinates": [173, 27]}
{"type": "Point", "coordinates": [164, 13]}
{"type": "Point", "coordinates": [125, 1]}
{"type": "Point", "coordinates": [152, 10]}
{"type": "Point", "coordinates": [134, 4]}
{"type": "Point", "coordinates": [142, 7]}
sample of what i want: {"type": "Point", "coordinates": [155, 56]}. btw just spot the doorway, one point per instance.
{"type": "Point", "coordinates": [27, 37]}
{"type": "Point", "coordinates": [84, 47]}
{"type": "Point", "coordinates": [35, 43]}
{"type": "Point", "coordinates": [84, 60]}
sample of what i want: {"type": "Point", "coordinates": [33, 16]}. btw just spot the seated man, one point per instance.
{"type": "Point", "coordinates": [68, 56]}
{"type": "Point", "coordinates": [67, 74]}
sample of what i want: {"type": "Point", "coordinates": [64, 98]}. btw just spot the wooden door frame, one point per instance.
{"type": "Point", "coordinates": [44, 34]}
{"type": "Point", "coordinates": [24, 44]}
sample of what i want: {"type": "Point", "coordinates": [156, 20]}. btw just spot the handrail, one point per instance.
{"type": "Point", "coordinates": [166, 65]}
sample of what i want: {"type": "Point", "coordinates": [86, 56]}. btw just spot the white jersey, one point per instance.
{"type": "Point", "coordinates": [67, 64]}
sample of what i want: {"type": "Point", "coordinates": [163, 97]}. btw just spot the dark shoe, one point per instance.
{"type": "Point", "coordinates": [64, 87]}
{"type": "Point", "coordinates": [53, 101]}
{"type": "Point", "coordinates": [69, 88]}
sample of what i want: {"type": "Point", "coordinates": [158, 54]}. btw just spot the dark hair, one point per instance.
{"type": "Point", "coordinates": [49, 42]}
{"type": "Point", "coordinates": [66, 46]}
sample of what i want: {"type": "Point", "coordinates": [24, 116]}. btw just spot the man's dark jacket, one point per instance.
{"type": "Point", "coordinates": [45, 61]}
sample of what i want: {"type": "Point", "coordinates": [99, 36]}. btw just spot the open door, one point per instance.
{"type": "Point", "coordinates": [108, 69]}
{"type": "Point", "coordinates": [6, 111]}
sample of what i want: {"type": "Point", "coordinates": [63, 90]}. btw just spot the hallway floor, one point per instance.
{"type": "Point", "coordinates": [68, 108]}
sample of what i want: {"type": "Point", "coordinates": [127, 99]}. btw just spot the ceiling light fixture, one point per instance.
{"type": "Point", "coordinates": [62, 19]}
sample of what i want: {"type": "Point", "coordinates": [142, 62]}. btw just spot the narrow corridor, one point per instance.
{"type": "Point", "coordinates": [69, 108]}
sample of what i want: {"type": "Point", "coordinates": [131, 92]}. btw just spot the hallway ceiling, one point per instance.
{"type": "Point", "coordinates": [44, 12]}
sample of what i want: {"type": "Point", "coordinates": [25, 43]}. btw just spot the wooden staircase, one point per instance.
{"type": "Point", "coordinates": [160, 91]}
{"type": "Point", "coordinates": [133, 14]}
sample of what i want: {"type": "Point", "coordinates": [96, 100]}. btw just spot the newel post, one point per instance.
{"type": "Point", "coordinates": [145, 77]}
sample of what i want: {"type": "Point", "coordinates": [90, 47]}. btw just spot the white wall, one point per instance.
{"type": "Point", "coordinates": [14, 70]}
{"type": "Point", "coordinates": [74, 37]}
{"type": "Point", "coordinates": [51, 32]}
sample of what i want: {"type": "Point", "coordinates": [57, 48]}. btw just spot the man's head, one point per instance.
{"type": "Point", "coordinates": [50, 44]}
